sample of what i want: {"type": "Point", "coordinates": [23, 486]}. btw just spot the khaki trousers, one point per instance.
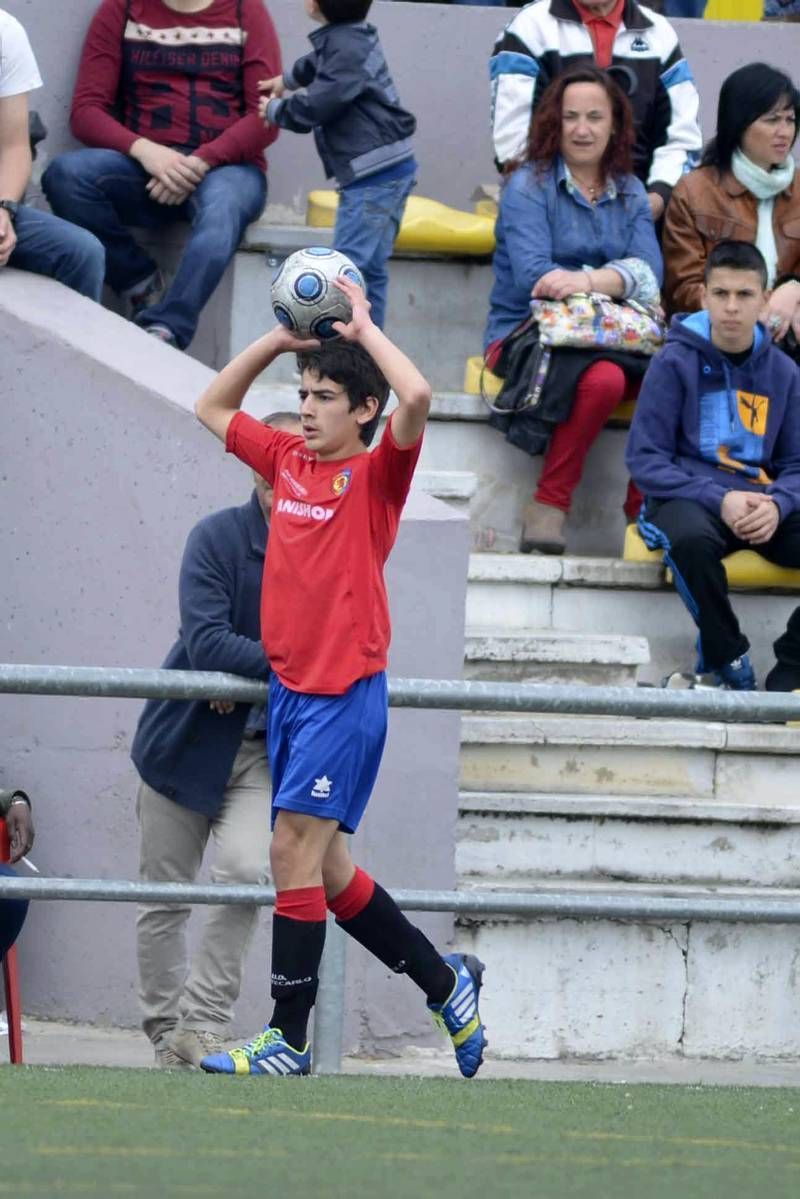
{"type": "Point", "coordinates": [200, 993]}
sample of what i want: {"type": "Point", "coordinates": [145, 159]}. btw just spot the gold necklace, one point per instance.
{"type": "Point", "coordinates": [592, 189]}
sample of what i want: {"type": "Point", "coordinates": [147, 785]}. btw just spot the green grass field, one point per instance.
{"type": "Point", "coordinates": [87, 1131]}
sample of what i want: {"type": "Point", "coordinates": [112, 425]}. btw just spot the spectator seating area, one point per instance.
{"type": "Point", "coordinates": [654, 804]}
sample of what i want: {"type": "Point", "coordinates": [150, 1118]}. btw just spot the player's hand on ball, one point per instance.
{"type": "Point", "coordinates": [285, 342]}
{"type": "Point", "coordinates": [361, 319]}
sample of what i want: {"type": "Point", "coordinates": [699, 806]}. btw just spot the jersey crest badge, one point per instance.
{"type": "Point", "coordinates": [639, 43]}
{"type": "Point", "coordinates": [341, 482]}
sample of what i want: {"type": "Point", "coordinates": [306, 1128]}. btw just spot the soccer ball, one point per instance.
{"type": "Point", "coordinates": [304, 296]}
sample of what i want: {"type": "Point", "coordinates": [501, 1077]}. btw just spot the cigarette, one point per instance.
{"type": "Point", "coordinates": [30, 865]}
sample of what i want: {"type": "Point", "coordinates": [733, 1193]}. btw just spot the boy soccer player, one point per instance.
{"type": "Point", "coordinates": [325, 625]}
{"type": "Point", "coordinates": [715, 447]}
{"type": "Point", "coordinates": [363, 134]}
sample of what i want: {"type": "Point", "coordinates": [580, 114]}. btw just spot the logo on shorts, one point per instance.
{"type": "Point", "coordinates": [322, 788]}
{"type": "Point", "coordinates": [341, 482]}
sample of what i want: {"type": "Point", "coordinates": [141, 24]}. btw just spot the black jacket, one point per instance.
{"type": "Point", "coordinates": [350, 103]}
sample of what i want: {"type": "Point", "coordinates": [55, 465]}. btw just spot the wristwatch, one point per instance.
{"type": "Point", "coordinates": [11, 207]}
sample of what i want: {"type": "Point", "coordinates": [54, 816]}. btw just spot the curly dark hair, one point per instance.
{"type": "Point", "coordinates": [544, 139]}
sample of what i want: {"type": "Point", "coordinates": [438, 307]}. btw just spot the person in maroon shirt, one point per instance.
{"type": "Point", "coordinates": [167, 99]}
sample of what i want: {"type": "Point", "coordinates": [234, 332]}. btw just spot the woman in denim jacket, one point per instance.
{"type": "Point", "coordinates": [573, 218]}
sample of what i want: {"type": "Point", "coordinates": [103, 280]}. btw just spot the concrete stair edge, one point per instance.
{"type": "Point", "coordinates": [601, 887]}
{"type": "Point", "coordinates": [547, 729]}
{"type": "Point", "coordinates": [682, 808]}
{"type": "Point", "coordinates": [555, 646]}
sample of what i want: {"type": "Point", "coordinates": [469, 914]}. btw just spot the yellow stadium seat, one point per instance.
{"type": "Point", "coordinates": [492, 384]}
{"type": "Point", "coordinates": [472, 378]}
{"type": "Point", "coordinates": [734, 10]}
{"type": "Point", "coordinates": [746, 570]}
{"type": "Point", "coordinates": [635, 550]}
{"type": "Point", "coordinates": [428, 226]}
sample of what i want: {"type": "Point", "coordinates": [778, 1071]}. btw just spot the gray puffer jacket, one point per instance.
{"type": "Point", "coordinates": [350, 103]}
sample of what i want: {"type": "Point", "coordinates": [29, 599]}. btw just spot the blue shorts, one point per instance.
{"type": "Point", "coordinates": [325, 750]}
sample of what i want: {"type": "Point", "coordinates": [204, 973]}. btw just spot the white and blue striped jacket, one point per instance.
{"type": "Point", "coordinates": [547, 38]}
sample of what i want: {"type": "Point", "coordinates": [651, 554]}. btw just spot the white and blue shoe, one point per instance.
{"type": "Point", "coordinates": [268, 1054]}
{"type": "Point", "coordinates": [459, 1016]}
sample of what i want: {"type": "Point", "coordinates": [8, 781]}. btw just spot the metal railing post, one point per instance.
{"type": "Point", "coordinates": [329, 1008]}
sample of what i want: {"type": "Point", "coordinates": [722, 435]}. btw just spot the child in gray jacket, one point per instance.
{"type": "Point", "coordinates": [363, 134]}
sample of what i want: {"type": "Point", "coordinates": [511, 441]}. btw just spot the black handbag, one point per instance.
{"type": "Point", "coordinates": [522, 364]}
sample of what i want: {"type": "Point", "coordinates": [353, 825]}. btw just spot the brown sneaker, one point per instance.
{"type": "Point", "coordinates": [191, 1045]}
{"type": "Point", "coordinates": [167, 1058]}
{"type": "Point", "coordinates": [542, 529]}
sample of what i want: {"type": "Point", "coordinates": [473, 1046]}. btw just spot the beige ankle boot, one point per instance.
{"type": "Point", "coordinates": [542, 529]}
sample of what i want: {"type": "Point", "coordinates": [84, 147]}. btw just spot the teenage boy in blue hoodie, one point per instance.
{"type": "Point", "coordinates": [363, 134]}
{"type": "Point", "coordinates": [715, 447]}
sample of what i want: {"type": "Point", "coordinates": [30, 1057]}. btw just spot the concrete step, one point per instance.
{"type": "Point", "coordinates": [455, 487]}
{"type": "Point", "coordinates": [560, 988]}
{"type": "Point", "coordinates": [630, 598]}
{"type": "Point", "coordinates": [545, 656]}
{"type": "Point", "coordinates": [621, 756]}
{"type": "Point", "coordinates": [519, 841]}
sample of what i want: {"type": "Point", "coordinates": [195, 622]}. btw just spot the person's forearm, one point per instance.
{"type": "Point", "coordinates": [606, 280]}
{"type": "Point", "coordinates": [406, 381]}
{"type": "Point", "coordinates": [231, 385]}
{"type": "Point", "coordinates": [15, 171]}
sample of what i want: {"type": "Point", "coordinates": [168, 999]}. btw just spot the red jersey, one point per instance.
{"type": "Point", "coordinates": [324, 609]}
{"type": "Point", "coordinates": [187, 80]}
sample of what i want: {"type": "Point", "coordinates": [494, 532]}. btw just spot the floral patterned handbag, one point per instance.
{"type": "Point", "coordinates": [592, 321]}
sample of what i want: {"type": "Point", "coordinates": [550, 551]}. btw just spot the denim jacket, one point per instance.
{"type": "Point", "coordinates": [350, 103]}
{"type": "Point", "coordinates": [545, 223]}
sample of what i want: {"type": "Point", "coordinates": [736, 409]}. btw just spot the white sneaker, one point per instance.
{"type": "Point", "coordinates": [191, 1045]}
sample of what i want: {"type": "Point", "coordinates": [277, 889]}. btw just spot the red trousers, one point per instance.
{"type": "Point", "coordinates": [601, 389]}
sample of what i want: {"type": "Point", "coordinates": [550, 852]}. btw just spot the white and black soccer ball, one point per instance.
{"type": "Point", "coordinates": [304, 296]}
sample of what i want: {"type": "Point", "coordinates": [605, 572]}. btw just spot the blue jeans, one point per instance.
{"type": "Point", "coordinates": [52, 247]}
{"type": "Point", "coordinates": [684, 8]}
{"type": "Point", "coordinates": [12, 916]}
{"type": "Point", "coordinates": [105, 191]}
{"type": "Point", "coordinates": [366, 226]}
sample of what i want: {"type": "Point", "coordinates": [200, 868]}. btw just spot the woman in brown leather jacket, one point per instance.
{"type": "Point", "coordinates": [747, 189]}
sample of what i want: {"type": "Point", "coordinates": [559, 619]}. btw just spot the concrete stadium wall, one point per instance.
{"type": "Point", "coordinates": [104, 472]}
{"type": "Point", "coordinates": [438, 55]}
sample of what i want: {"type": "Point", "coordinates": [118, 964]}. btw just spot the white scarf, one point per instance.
{"type": "Point", "coordinates": [765, 186]}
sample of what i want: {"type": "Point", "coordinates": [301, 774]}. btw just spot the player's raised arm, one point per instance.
{"type": "Point", "coordinates": [220, 402]}
{"type": "Point", "coordinates": [411, 388]}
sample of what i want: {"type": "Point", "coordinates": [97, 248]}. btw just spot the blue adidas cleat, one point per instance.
{"type": "Point", "coordinates": [266, 1054]}
{"type": "Point", "coordinates": [737, 675]}
{"type": "Point", "coordinates": [459, 1016]}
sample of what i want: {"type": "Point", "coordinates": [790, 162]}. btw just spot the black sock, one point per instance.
{"type": "Point", "coordinates": [296, 952]}
{"type": "Point", "coordinates": [383, 929]}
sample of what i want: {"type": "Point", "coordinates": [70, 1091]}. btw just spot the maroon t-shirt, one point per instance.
{"type": "Point", "coordinates": [187, 80]}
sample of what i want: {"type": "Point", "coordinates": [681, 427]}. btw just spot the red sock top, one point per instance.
{"type": "Point", "coordinates": [354, 898]}
{"type": "Point", "coordinates": [304, 903]}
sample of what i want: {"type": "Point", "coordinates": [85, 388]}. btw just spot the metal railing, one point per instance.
{"type": "Point", "coordinates": [103, 682]}
{"type": "Point", "coordinates": [646, 702]}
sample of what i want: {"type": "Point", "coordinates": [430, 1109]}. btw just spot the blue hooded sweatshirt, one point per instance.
{"type": "Point", "coordinates": [703, 426]}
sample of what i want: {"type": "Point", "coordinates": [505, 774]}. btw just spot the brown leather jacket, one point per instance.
{"type": "Point", "coordinates": [706, 207]}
